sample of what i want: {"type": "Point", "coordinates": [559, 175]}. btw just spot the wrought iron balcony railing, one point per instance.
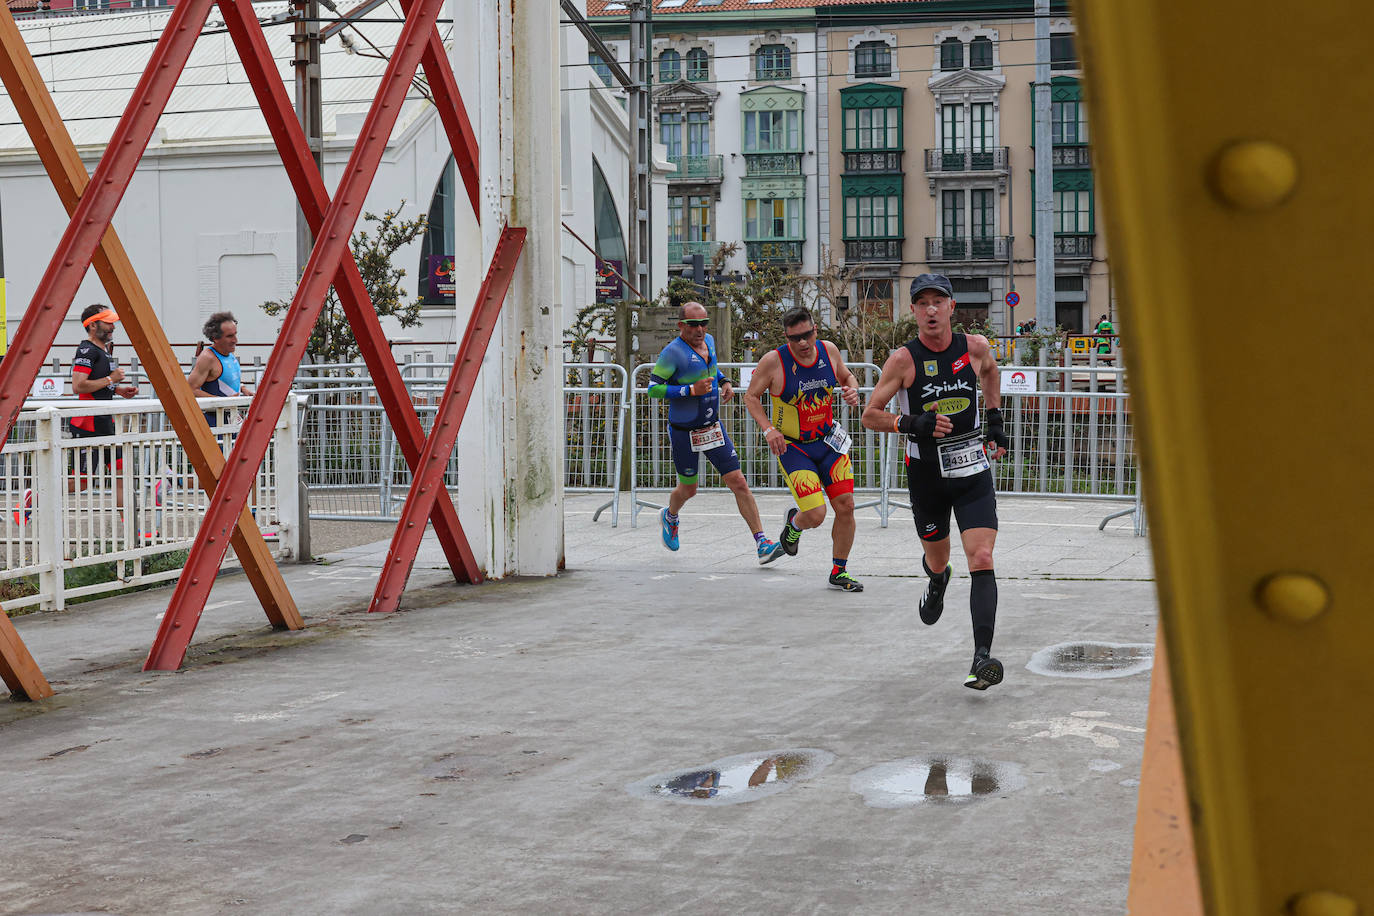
{"type": "Point", "coordinates": [774, 251]}
{"type": "Point", "coordinates": [873, 161]}
{"type": "Point", "coordinates": [697, 168]}
{"type": "Point", "coordinates": [772, 165]}
{"type": "Point", "coordinates": [997, 159]}
{"type": "Point", "coordinates": [1071, 157]}
{"type": "Point", "coordinates": [679, 250]}
{"type": "Point", "coordinates": [986, 248]}
{"type": "Point", "coordinates": [1075, 245]}
{"type": "Point", "coordinates": [856, 250]}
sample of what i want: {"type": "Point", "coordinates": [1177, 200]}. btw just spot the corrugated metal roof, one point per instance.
{"type": "Point", "coordinates": [92, 63]}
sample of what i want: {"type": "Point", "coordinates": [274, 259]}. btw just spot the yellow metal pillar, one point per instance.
{"type": "Point", "coordinates": [1233, 149]}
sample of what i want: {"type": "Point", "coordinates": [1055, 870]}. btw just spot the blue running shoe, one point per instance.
{"type": "Point", "coordinates": [769, 551]}
{"type": "Point", "coordinates": [669, 531]}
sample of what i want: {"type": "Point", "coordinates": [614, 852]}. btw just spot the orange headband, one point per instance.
{"type": "Point", "coordinates": [107, 315]}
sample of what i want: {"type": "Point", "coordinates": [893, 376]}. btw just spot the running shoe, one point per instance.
{"type": "Point", "coordinates": [769, 551]}
{"type": "Point", "coordinates": [845, 582]}
{"type": "Point", "coordinates": [933, 601]}
{"type": "Point", "coordinates": [790, 537]}
{"type": "Point", "coordinates": [669, 531]}
{"type": "Point", "coordinates": [984, 673]}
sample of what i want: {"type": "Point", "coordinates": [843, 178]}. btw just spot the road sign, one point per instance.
{"type": "Point", "coordinates": [1013, 297]}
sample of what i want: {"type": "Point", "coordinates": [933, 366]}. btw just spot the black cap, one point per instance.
{"type": "Point", "coordinates": [931, 281]}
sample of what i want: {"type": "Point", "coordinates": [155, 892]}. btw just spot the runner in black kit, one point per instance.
{"type": "Point", "coordinates": [936, 378]}
{"type": "Point", "coordinates": [96, 376]}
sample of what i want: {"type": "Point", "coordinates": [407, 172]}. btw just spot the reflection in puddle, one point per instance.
{"type": "Point", "coordinates": [741, 778]}
{"type": "Point", "coordinates": [1092, 659]}
{"type": "Point", "coordinates": [916, 780]}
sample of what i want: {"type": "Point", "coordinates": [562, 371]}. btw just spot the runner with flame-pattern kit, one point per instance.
{"type": "Point", "coordinates": [801, 376]}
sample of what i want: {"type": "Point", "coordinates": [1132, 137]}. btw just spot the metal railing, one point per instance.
{"type": "Point", "coordinates": [651, 459]}
{"type": "Point", "coordinates": [130, 501]}
{"type": "Point", "coordinates": [679, 250]}
{"type": "Point", "coordinates": [352, 464]}
{"type": "Point", "coordinates": [1073, 246]}
{"type": "Point", "coordinates": [872, 250]}
{"type": "Point", "coordinates": [772, 165]}
{"type": "Point", "coordinates": [697, 168]}
{"type": "Point", "coordinates": [985, 248]}
{"type": "Point", "coordinates": [596, 405]}
{"type": "Point", "coordinates": [873, 161]}
{"type": "Point", "coordinates": [776, 251]}
{"type": "Point", "coordinates": [997, 159]}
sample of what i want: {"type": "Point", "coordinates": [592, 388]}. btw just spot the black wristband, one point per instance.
{"type": "Point", "coordinates": [996, 428]}
{"type": "Point", "coordinates": [922, 424]}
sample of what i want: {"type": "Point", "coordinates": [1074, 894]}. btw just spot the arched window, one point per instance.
{"type": "Point", "coordinates": [980, 53]}
{"type": "Point", "coordinates": [873, 58]}
{"type": "Point", "coordinates": [610, 239]}
{"type": "Point", "coordinates": [439, 237]}
{"type": "Point", "coordinates": [698, 65]}
{"type": "Point", "coordinates": [951, 54]}
{"type": "Point", "coordinates": [773, 62]}
{"type": "Point", "coordinates": [669, 66]}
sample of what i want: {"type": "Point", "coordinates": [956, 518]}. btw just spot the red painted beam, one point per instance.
{"type": "Point", "coordinates": [56, 290]}
{"type": "Point", "coordinates": [247, 34]}
{"type": "Point", "coordinates": [449, 101]}
{"type": "Point", "coordinates": [428, 480]}
{"type": "Point", "coordinates": [331, 245]}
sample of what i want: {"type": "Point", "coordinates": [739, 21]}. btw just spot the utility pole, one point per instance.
{"type": "Point", "coordinates": [309, 108]}
{"type": "Point", "coordinates": [641, 144]}
{"type": "Point", "coordinates": [1044, 174]}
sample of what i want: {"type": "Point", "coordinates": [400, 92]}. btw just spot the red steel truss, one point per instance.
{"type": "Point", "coordinates": [89, 235]}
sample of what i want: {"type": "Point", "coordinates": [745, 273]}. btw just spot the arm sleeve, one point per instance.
{"type": "Point", "coordinates": [662, 375]}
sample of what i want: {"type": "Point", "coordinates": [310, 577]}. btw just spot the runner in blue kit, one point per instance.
{"type": "Point", "coordinates": [936, 379]}
{"type": "Point", "coordinates": [687, 376]}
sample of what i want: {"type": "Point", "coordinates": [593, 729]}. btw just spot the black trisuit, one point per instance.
{"type": "Point", "coordinates": [946, 381]}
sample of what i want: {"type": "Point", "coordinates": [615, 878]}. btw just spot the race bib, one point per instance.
{"type": "Point", "coordinates": [707, 438]}
{"type": "Point", "coordinates": [962, 459]}
{"type": "Point", "coordinates": [838, 439]}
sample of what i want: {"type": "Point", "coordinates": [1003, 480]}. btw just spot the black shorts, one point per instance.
{"type": "Point", "coordinates": [973, 500]}
{"type": "Point", "coordinates": [109, 456]}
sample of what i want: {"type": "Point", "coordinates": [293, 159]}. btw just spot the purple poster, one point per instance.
{"type": "Point", "coordinates": [607, 281]}
{"type": "Point", "coordinates": [441, 277]}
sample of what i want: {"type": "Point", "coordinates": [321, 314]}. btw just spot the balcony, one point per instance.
{"type": "Point", "coordinates": [1073, 246]}
{"type": "Point", "coordinates": [990, 248]}
{"type": "Point", "coordinates": [679, 250]}
{"type": "Point", "coordinates": [870, 161]}
{"type": "Point", "coordinates": [1071, 157]}
{"type": "Point", "coordinates": [772, 165]}
{"type": "Point", "coordinates": [997, 159]}
{"type": "Point", "coordinates": [857, 250]}
{"type": "Point", "coordinates": [697, 168]}
{"type": "Point", "coordinates": [774, 251]}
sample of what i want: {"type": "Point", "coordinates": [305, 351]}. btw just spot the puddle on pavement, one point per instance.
{"type": "Point", "coordinates": [732, 780]}
{"type": "Point", "coordinates": [935, 780]}
{"type": "Point", "coordinates": [1092, 659]}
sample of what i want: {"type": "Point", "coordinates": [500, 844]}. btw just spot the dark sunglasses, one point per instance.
{"type": "Point", "coordinates": [696, 322]}
{"type": "Point", "coordinates": [798, 338]}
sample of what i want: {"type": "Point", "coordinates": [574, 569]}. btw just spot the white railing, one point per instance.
{"type": "Point", "coordinates": [129, 502]}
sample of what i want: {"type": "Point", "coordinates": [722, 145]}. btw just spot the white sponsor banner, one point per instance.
{"type": "Point", "coordinates": [47, 386]}
{"type": "Point", "coordinates": [1018, 381]}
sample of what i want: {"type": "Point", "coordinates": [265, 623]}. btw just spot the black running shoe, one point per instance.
{"type": "Point", "coordinates": [790, 537]}
{"type": "Point", "coordinates": [933, 601]}
{"type": "Point", "coordinates": [985, 672]}
{"type": "Point", "coordinates": [843, 580]}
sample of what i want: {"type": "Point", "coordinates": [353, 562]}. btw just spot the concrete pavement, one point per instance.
{"type": "Point", "coordinates": [496, 749]}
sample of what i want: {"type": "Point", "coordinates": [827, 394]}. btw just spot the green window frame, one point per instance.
{"type": "Point", "coordinates": [983, 212]}
{"type": "Point", "coordinates": [778, 218]}
{"type": "Point", "coordinates": [698, 65]}
{"type": "Point", "coordinates": [872, 128]}
{"type": "Point", "coordinates": [873, 58]}
{"type": "Point", "coordinates": [675, 214]}
{"type": "Point", "coordinates": [1068, 122]}
{"type": "Point", "coordinates": [670, 132]}
{"type": "Point", "coordinates": [773, 62]}
{"type": "Point", "coordinates": [980, 53]}
{"type": "Point", "coordinates": [952, 214]}
{"type": "Point", "coordinates": [698, 133]}
{"type": "Point", "coordinates": [951, 54]}
{"type": "Point", "coordinates": [772, 131]}
{"type": "Point", "coordinates": [873, 217]}
{"type": "Point", "coordinates": [1073, 212]}
{"type": "Point", "coordinates": [669, 66]}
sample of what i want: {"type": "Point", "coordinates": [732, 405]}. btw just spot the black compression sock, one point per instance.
{"type": "Point", "coordinates": [982, 603]}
